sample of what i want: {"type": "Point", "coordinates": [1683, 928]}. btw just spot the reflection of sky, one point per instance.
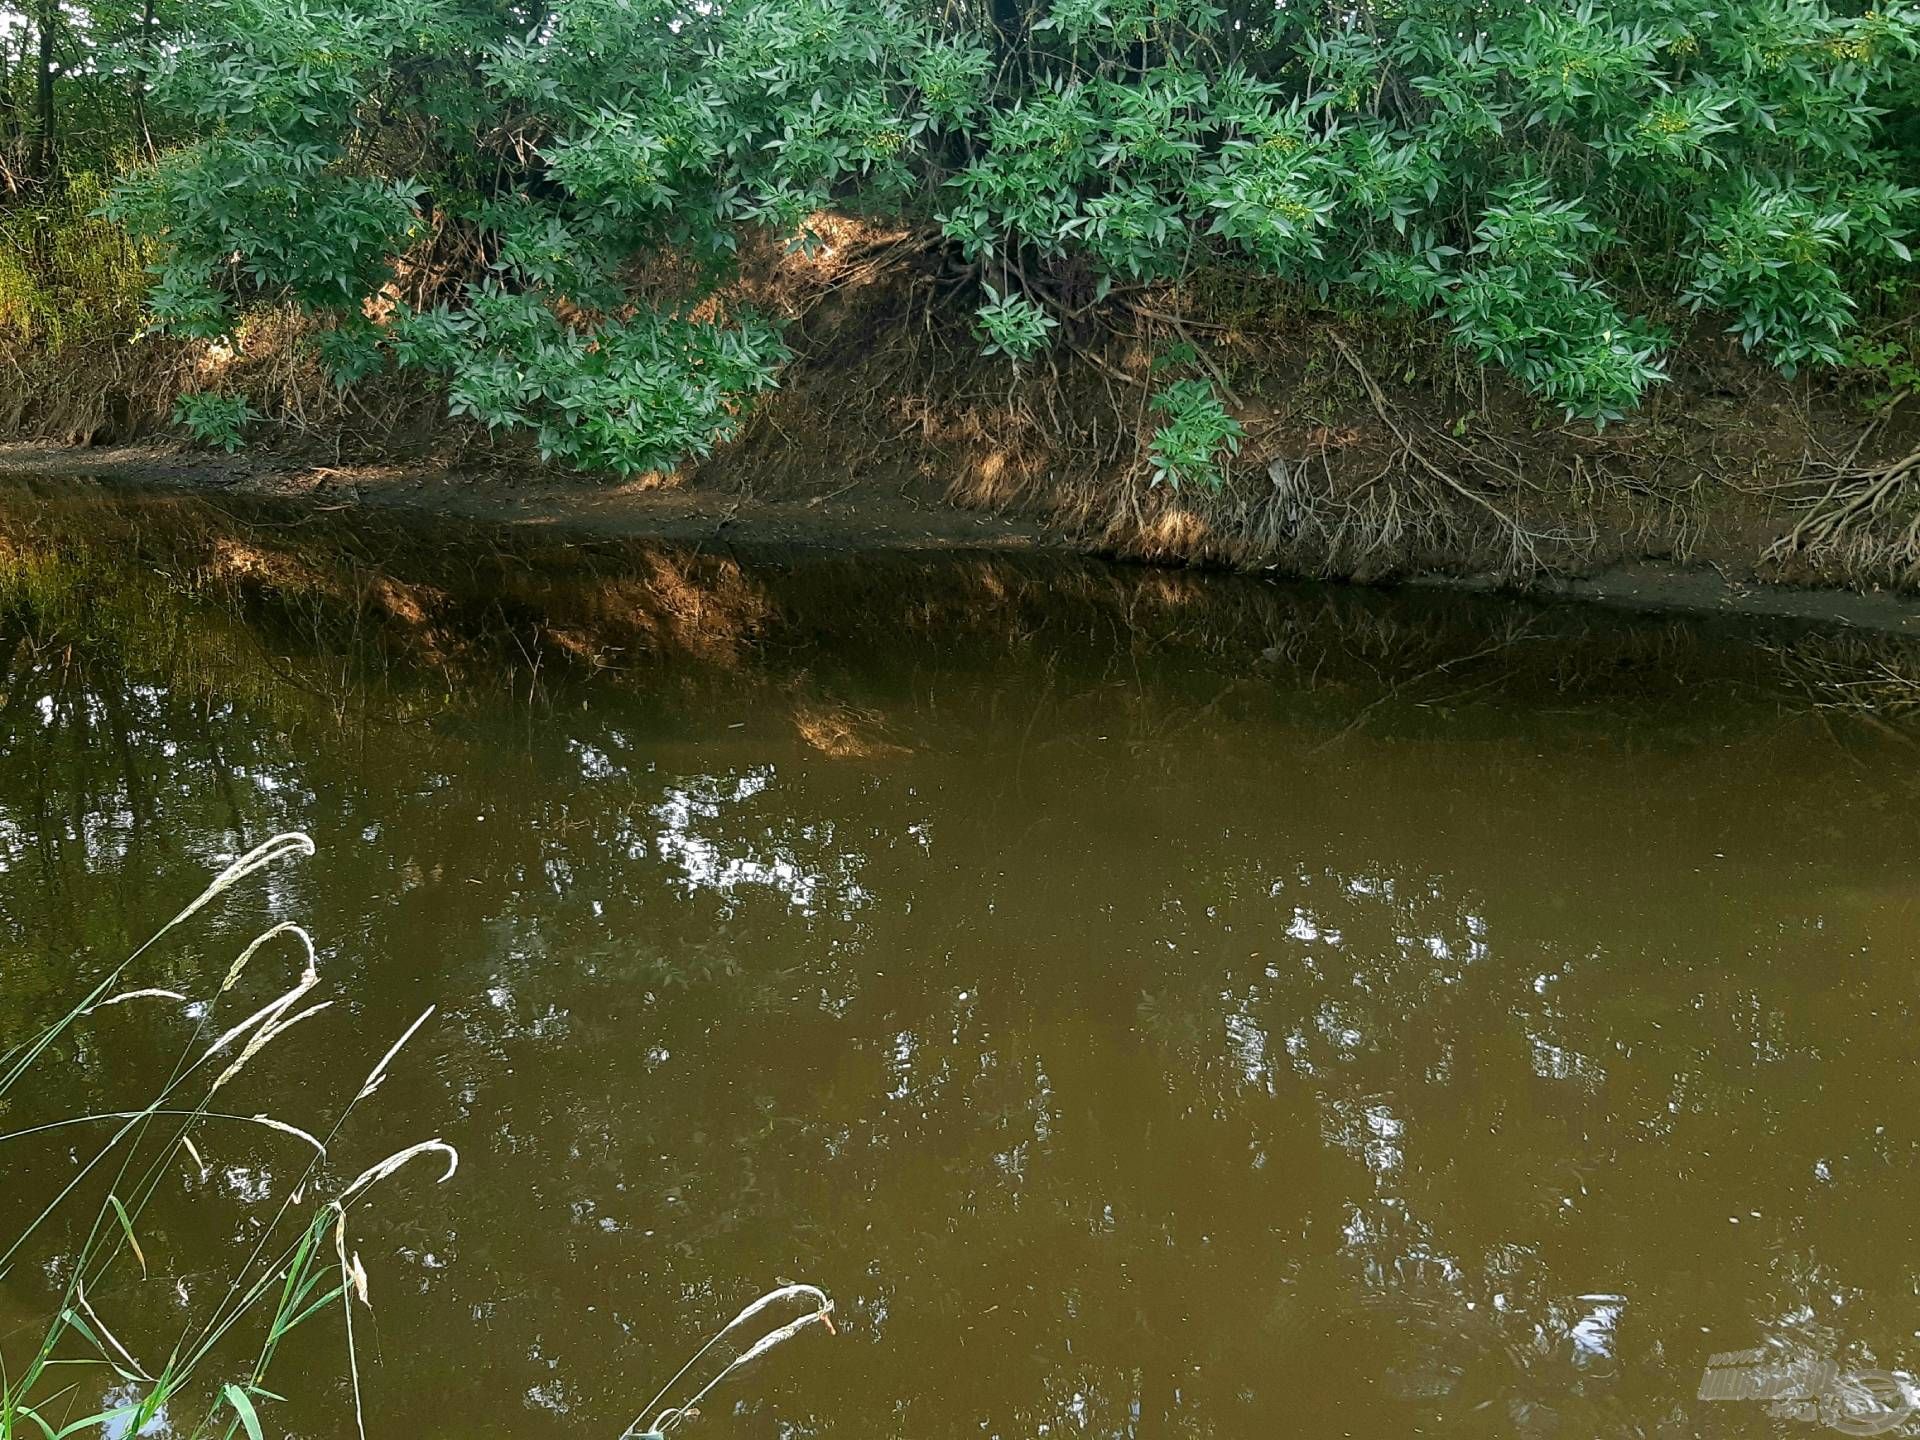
{"type": "Point", "coordinates": [1249, 1045]}
{"type": "Point", "coordinates": [1370, 1133]}
{"type": "Point", "coordinates": [1594, 1335]}
{"type": "Point", "coordinates": [120, 1427]}
{"type": "Point", "coordinates": [707, 863]}
{"type": "Point", "coordinates": [1352, 1068]}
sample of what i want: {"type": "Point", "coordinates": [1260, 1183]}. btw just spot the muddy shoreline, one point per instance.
{"type": "Point", "coordinates": [851, 520]}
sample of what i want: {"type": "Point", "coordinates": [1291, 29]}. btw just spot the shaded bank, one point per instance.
{"type": "Point", "coordinates": [580, 510]}
{"type": "Point", "coordinates": [1371, 450]}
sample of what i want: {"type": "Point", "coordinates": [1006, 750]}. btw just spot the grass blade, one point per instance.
{"type": "Point", "coordinates": [243, 1407]}
{"type": "Point", "coordinates": [126, 1227]}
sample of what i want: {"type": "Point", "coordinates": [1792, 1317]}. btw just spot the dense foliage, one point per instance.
{"type": "Point", "coordinates": [73, 97]}
{"type": "Point", "coordinates": [465, 185]}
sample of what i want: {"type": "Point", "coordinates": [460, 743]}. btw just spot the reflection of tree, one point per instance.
{"type": "Point", "coordinates": [1124, 1055]}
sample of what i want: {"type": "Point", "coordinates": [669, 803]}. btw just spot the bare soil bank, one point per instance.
{"type": "Point", "coordinates": [1373, 452]}
{"type": "Point", "coordinates": [562, 505]}
{"type": "Point", "coordinates": [542, 497]}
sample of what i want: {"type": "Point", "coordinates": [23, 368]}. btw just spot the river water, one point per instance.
{"type": "Point", "coordinates": [1150, 1005]}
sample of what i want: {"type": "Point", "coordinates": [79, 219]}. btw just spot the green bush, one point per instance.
{"type": "Point", "coordinates": [1187, 448]}
{"type": "Point", "coordinates": [1543, 181]}
{"type": "Point", "coordinates": [1012, 325]}
{"type": "Point", "coordinates": [67, 273]}
{"type": "Point", "coordinates": [1890, 367]}
{"type": "Point", "coordinates": [215, 419]}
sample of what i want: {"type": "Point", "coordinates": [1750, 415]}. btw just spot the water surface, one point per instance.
{"type": "Point", "coordinates": [1151, 1005]}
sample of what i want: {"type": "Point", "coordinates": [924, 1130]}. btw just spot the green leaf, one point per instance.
{"type": "Point", "coordinates": [243, 1407]}
{"type": "Point", "coordinates": [126, 1227]}
{"type": "Point", "coordinates": [100, 1420]}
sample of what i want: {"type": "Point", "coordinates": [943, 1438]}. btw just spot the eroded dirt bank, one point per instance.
{"type": "Point", "coordinates": [1371, 454]}
{"type": "Point", "coordinates": [853, 519]}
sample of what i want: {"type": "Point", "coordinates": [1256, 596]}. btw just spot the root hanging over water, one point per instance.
{"type": "Point", "coordinates": [1857, 516]}
{"type": "Point", "coordinates": [1416, 459]}
{"type": "Point", "coordinates": [1360, 500]}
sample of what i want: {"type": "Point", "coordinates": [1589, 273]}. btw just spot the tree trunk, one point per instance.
{"type": "Point", "coordinates": [43, 138]}
{"type": "Point", "coordinates": [140, 78]}
{"type": "Point", "coordinates": [8, 112]}
{"type": "Point", "coordinates": [9, 118]}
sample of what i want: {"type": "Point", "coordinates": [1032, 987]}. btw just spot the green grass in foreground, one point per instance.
{"type": "Point", "coordinates": [301, 1265]}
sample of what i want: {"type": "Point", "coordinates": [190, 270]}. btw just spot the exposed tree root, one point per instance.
{"type": "Point", "coordinates": [888, 398]}
{"type": "Point", "coordinates": [1522, 543]}
{"type": "Point", "coordinates": [1856, 515]}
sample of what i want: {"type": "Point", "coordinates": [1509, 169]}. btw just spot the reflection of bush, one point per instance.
{"type": "Point", "coordinates": [392, 620]}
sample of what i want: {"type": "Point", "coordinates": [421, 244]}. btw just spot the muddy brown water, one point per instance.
{"type": "Point", "coordinates": [1150, 1005]}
